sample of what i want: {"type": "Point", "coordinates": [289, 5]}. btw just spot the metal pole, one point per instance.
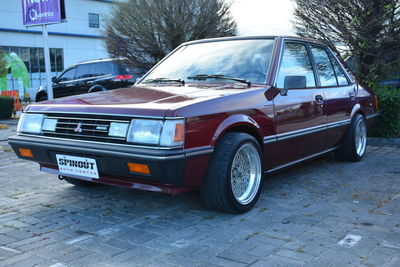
{"type": "Point", "coordinates": [47, 63]}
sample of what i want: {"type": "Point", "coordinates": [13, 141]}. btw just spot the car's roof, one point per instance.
{"type": "Point", "coordinates": [100, 60]}
{"type": "Point", "coordinates": [297, 38]}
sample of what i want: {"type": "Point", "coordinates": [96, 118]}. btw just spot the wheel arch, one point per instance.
{"type": "Point", "coordinates": [238, 123]}
{"type": "Point", "coordinates": [40, 94]}
{"type": "Point", "coordinates": [357, 109]}
{"type": "Point", "coordinates": [97, 88]}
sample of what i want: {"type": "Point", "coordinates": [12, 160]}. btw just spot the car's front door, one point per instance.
{"type": "Point", "coordinates": [340, 94]}
{"type": "Point", "coordinates": [299, 113]}
{"type": "Point", "coordinates": [66, 81]}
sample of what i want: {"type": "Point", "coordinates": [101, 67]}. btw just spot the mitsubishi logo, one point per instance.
{"type": "Point", "coordinates": [78, 128]}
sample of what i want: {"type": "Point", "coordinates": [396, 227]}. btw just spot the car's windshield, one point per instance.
{"type": "Point", "coordinates": [245, 59]}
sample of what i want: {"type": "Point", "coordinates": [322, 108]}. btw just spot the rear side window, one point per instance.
{"type": "Point", "coordinates": [83, 71]}
{"type": "Point", "coordinates": [103, 68]}
{"type": "Point", "coordinates": [325, 69]}
{"type": "Point", "coordinates": [68, 75]}
{"type": "Point", "coordinates": [295, 62]}
{"type": "Point", "coordinates": [340, 75]}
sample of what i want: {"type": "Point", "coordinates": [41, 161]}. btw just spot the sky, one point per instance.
{"type": "Point", "coordinates": [263, 17]}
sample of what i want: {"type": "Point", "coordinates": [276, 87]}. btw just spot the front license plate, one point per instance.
{"type": "Point", "coordinates": [86, 167]}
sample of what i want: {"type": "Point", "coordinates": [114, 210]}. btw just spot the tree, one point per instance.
{"type": "Point", "coordinates": [145, 31]}
{"type": "Point", "coordinates": [370, 29]}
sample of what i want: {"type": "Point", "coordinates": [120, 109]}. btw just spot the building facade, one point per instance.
{"type": "Point", "coordinates": [79, 38]}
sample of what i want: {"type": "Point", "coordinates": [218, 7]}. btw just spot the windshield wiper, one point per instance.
{"type": "Point", "coordinates": [164, 80]}
{"type": "Point", "coordinates": [219, 76]}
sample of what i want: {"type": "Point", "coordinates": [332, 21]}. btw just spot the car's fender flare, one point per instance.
{"type": "Point", "coordinates": [237, 120]}
{"type": "Point", "coordinates": [96, 88]}
{"type": "Point", "coordinates": [354, 110]}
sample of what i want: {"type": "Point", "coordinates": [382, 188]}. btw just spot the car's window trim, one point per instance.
{"type": "Point", "coordinates": [349, 80]}
{"type": "Point", "coordinates": [324, 47]}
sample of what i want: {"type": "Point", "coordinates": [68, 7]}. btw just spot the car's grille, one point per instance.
{"type": "Point", "coordinates": [84, 128]}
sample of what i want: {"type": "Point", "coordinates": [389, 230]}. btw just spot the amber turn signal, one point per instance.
{"type": "Point", "coordinates": [178, 137]}
{"type": "Point", "coordinates": [138, 168]}
{"type": "Point", "coordinates": [25, 152]}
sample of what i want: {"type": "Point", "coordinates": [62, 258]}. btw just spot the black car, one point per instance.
{"type": "Point", "coordinates": [92, 76]}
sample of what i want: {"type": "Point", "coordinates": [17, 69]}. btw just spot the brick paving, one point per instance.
{"type": "Point", "coordinates": [321, 213]}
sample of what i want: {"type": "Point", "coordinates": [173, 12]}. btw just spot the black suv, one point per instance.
{"type": "Point", "coordinates": [92, 76]}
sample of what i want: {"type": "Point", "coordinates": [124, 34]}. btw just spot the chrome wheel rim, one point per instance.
{"type": "Point", "coordinates": [361, 137]}
{"type": "Point", "coordinates": [246, 174]}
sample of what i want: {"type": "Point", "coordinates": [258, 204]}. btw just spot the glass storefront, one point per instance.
{"type": "Point", "coordinates": [33, 58]}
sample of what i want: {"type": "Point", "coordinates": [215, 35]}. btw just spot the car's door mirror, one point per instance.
{"type": "Point", "coordinates": [54, 79]}
{"type": "Point", "coordinates": [293, 82]}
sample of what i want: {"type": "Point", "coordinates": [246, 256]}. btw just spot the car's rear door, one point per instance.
{"type": "Point", "coordinates": [84, 77]}
{"type": "Point", "coordinates": [340, 94]}
{"type": "Point", "coordinates": [299, 114]}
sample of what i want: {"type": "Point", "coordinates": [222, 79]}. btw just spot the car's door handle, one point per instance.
{"type": "Point", "coordinates": [319, 99]}
{"type": "Point", "coordinates": [89, 82]}
{"type": "Point", "coordinates": [351, 94]}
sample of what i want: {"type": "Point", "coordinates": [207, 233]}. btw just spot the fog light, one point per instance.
{"type": "Point", "coordinates": [139, 168]}
{"type": "Point", "coordinates": [25, 152]}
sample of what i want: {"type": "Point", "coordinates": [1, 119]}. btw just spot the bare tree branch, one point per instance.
{"type": "Point", "coordinates": [145, 31]}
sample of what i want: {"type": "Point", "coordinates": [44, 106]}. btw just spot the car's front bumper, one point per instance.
{"type": "Point", "coordinates": [166, 165]}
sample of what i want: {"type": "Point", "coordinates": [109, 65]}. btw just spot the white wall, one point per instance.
{"type": "Point", "coordinates": [75, 49]}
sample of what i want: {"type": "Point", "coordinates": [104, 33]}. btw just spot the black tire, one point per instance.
{"type": "Point", "coordinates": [217, 192]}
{"type": "Point", "coordinates": [348, 151]}
{"type": "Point", "coordinates": [80, 183]}
{"type": "Point", "coordinates": [42, 98]}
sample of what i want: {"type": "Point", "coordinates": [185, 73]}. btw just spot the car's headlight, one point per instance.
{"type": "Point", "coordinates": [49, 125]}
{"type": "Point", "coordinates": [118, 129]}
{"type": "Point", "coordinates": [30, 123]}
{"type": "Point", "coordinates": [156, 132]}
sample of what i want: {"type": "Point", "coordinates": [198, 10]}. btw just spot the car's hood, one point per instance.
{"type": "Point", "coordinates": [139, 100]}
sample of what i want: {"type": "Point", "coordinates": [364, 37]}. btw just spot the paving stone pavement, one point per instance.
{"type": "Point", "coordinates": [321, 213]}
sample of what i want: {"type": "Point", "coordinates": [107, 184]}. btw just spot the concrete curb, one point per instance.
{"type": "Point", "coordinates": [383, 141]}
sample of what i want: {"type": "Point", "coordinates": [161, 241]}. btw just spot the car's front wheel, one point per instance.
{"type": "Point", "coordinates": [355, 140]}
{"type": "Point", "coordinates": [234, 179]}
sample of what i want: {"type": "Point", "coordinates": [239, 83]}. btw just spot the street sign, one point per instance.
{"type": "Point", "coordinates": [41, 12]}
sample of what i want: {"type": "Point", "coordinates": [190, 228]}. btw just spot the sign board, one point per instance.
{"type": "Point", "coordinates": [40, 12]}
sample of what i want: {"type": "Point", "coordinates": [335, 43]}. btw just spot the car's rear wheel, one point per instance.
{"type": "Point", "coordinates": [234, 179]}
{"type": "Point", "coordinates": [355, 140]}
{"type": "Point", "coordinates": [80, 183]}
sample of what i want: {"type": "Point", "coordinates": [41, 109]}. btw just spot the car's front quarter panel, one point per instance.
{"type": "Point", "coordinates": [208, 121]}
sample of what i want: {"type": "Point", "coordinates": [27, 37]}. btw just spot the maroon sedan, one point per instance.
{"type": "Point", "coordinates": [214, 115]}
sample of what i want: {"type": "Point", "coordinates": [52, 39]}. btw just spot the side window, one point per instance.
{"type": "Point", "coordinates": [295, 62]}
{"type": "Point", "coordinates": [340, 75]}
{"type": "Point", "coordinates": [324, 66]}
{"type": "Point", "coordinates": [83, 71]}
{"type": "Point", "coordinates": [103, 68]}
{"type": "Point", "coordinates": [68, 75]}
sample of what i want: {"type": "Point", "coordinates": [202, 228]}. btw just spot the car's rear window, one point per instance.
{"type": "Point", "coordinates": [102, 68]}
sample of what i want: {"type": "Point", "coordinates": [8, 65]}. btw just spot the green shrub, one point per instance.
{"type": "Point", "coordinates": [388, 123]}
{"type": "Point", "coordinates": [6, 107]}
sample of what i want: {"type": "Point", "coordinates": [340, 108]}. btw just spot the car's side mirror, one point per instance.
{"type": "Point", "coordinates": [293, 82]}
{"type": "Point", "coordinates": [54, 79]}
